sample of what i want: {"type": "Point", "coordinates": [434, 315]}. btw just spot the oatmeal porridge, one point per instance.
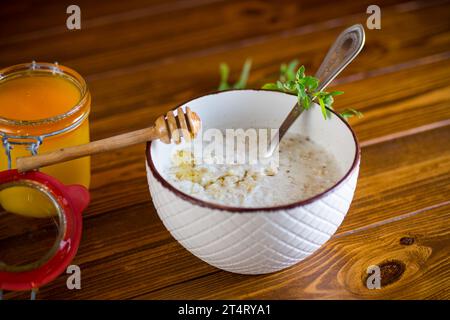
{"type": "Point", "coordinates": [303, 170]}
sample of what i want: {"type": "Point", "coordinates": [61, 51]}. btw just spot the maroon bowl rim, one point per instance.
{"type": "Point", "coordinates": [215, 206]}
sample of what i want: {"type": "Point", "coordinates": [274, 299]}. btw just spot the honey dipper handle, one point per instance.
{"type": "Point", "coordinates": [70, 153]}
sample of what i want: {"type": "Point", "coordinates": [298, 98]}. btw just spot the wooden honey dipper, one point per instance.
{"type": "Point", "coordinates": [167, 128]}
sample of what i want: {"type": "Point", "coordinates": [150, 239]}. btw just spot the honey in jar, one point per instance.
{"type": "Point", "coordinates": [43, 107]}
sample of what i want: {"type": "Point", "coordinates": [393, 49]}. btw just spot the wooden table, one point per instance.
{"type": "Point", "coordinates": [141, 58]}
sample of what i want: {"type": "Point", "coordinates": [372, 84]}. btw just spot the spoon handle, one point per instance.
{"type": "Point", "coordinates": [342, 52]}
{"type": "Point", "coordinates": [346, 47]}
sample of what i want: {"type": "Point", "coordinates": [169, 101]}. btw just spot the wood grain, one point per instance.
{"type": "Point", "coordinates": [210, 23]}
{"type": "Point", "coordinates": [142, 58]}
{"type": "Point", "coordinates": [413, 255]}
{"type": "Point", "coordinates": [47, 18]}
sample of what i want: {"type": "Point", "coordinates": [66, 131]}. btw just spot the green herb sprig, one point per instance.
{"type": "Point", "coordinates": [294, 81]}
{"type": "Point", "coordinates": [349, 112]}
{"type": "Point", "coordinates": [241, 83]}
{"type": "Point", "coordinates": [305, 87]}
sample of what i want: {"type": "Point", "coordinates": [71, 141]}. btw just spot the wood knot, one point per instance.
{"type": "Point", "coordinates": [407, 241]}
{"type": "Point", "coordinates": [390, 272]}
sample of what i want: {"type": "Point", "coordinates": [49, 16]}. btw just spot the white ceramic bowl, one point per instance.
{"type": "Point", "coordinates": [256, 240]}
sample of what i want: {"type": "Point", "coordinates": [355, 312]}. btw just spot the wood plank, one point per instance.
{"type": "Point", "coordinates": [130, 244]}
{"type": "Point", "coordinates": [413, 255]}
{"type": "Point", "coordinates": [48, 18]}
{"type": "Point", "coordinates": [176, 38]}
{"type": "Point", "coordinates": [393, 45]}
{"type": "Point", "coordinates": [192, 28]}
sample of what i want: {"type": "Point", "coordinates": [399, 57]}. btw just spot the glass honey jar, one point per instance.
{"type": "Point", "coordinates": [43, 107]}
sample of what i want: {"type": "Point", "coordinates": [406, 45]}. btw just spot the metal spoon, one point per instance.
{"type": "Point", "coordinates": [346, 47]}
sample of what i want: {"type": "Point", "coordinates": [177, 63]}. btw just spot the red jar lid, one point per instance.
{"type": "Point", "coordinates": [70, 201]}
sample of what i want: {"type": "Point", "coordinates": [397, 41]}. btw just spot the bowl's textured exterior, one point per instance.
{"type": "Point", "coordinates": [253, 242]}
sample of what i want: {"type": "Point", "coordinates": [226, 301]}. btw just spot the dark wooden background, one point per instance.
{"type": "Point", "coordinates": [141, 58]}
